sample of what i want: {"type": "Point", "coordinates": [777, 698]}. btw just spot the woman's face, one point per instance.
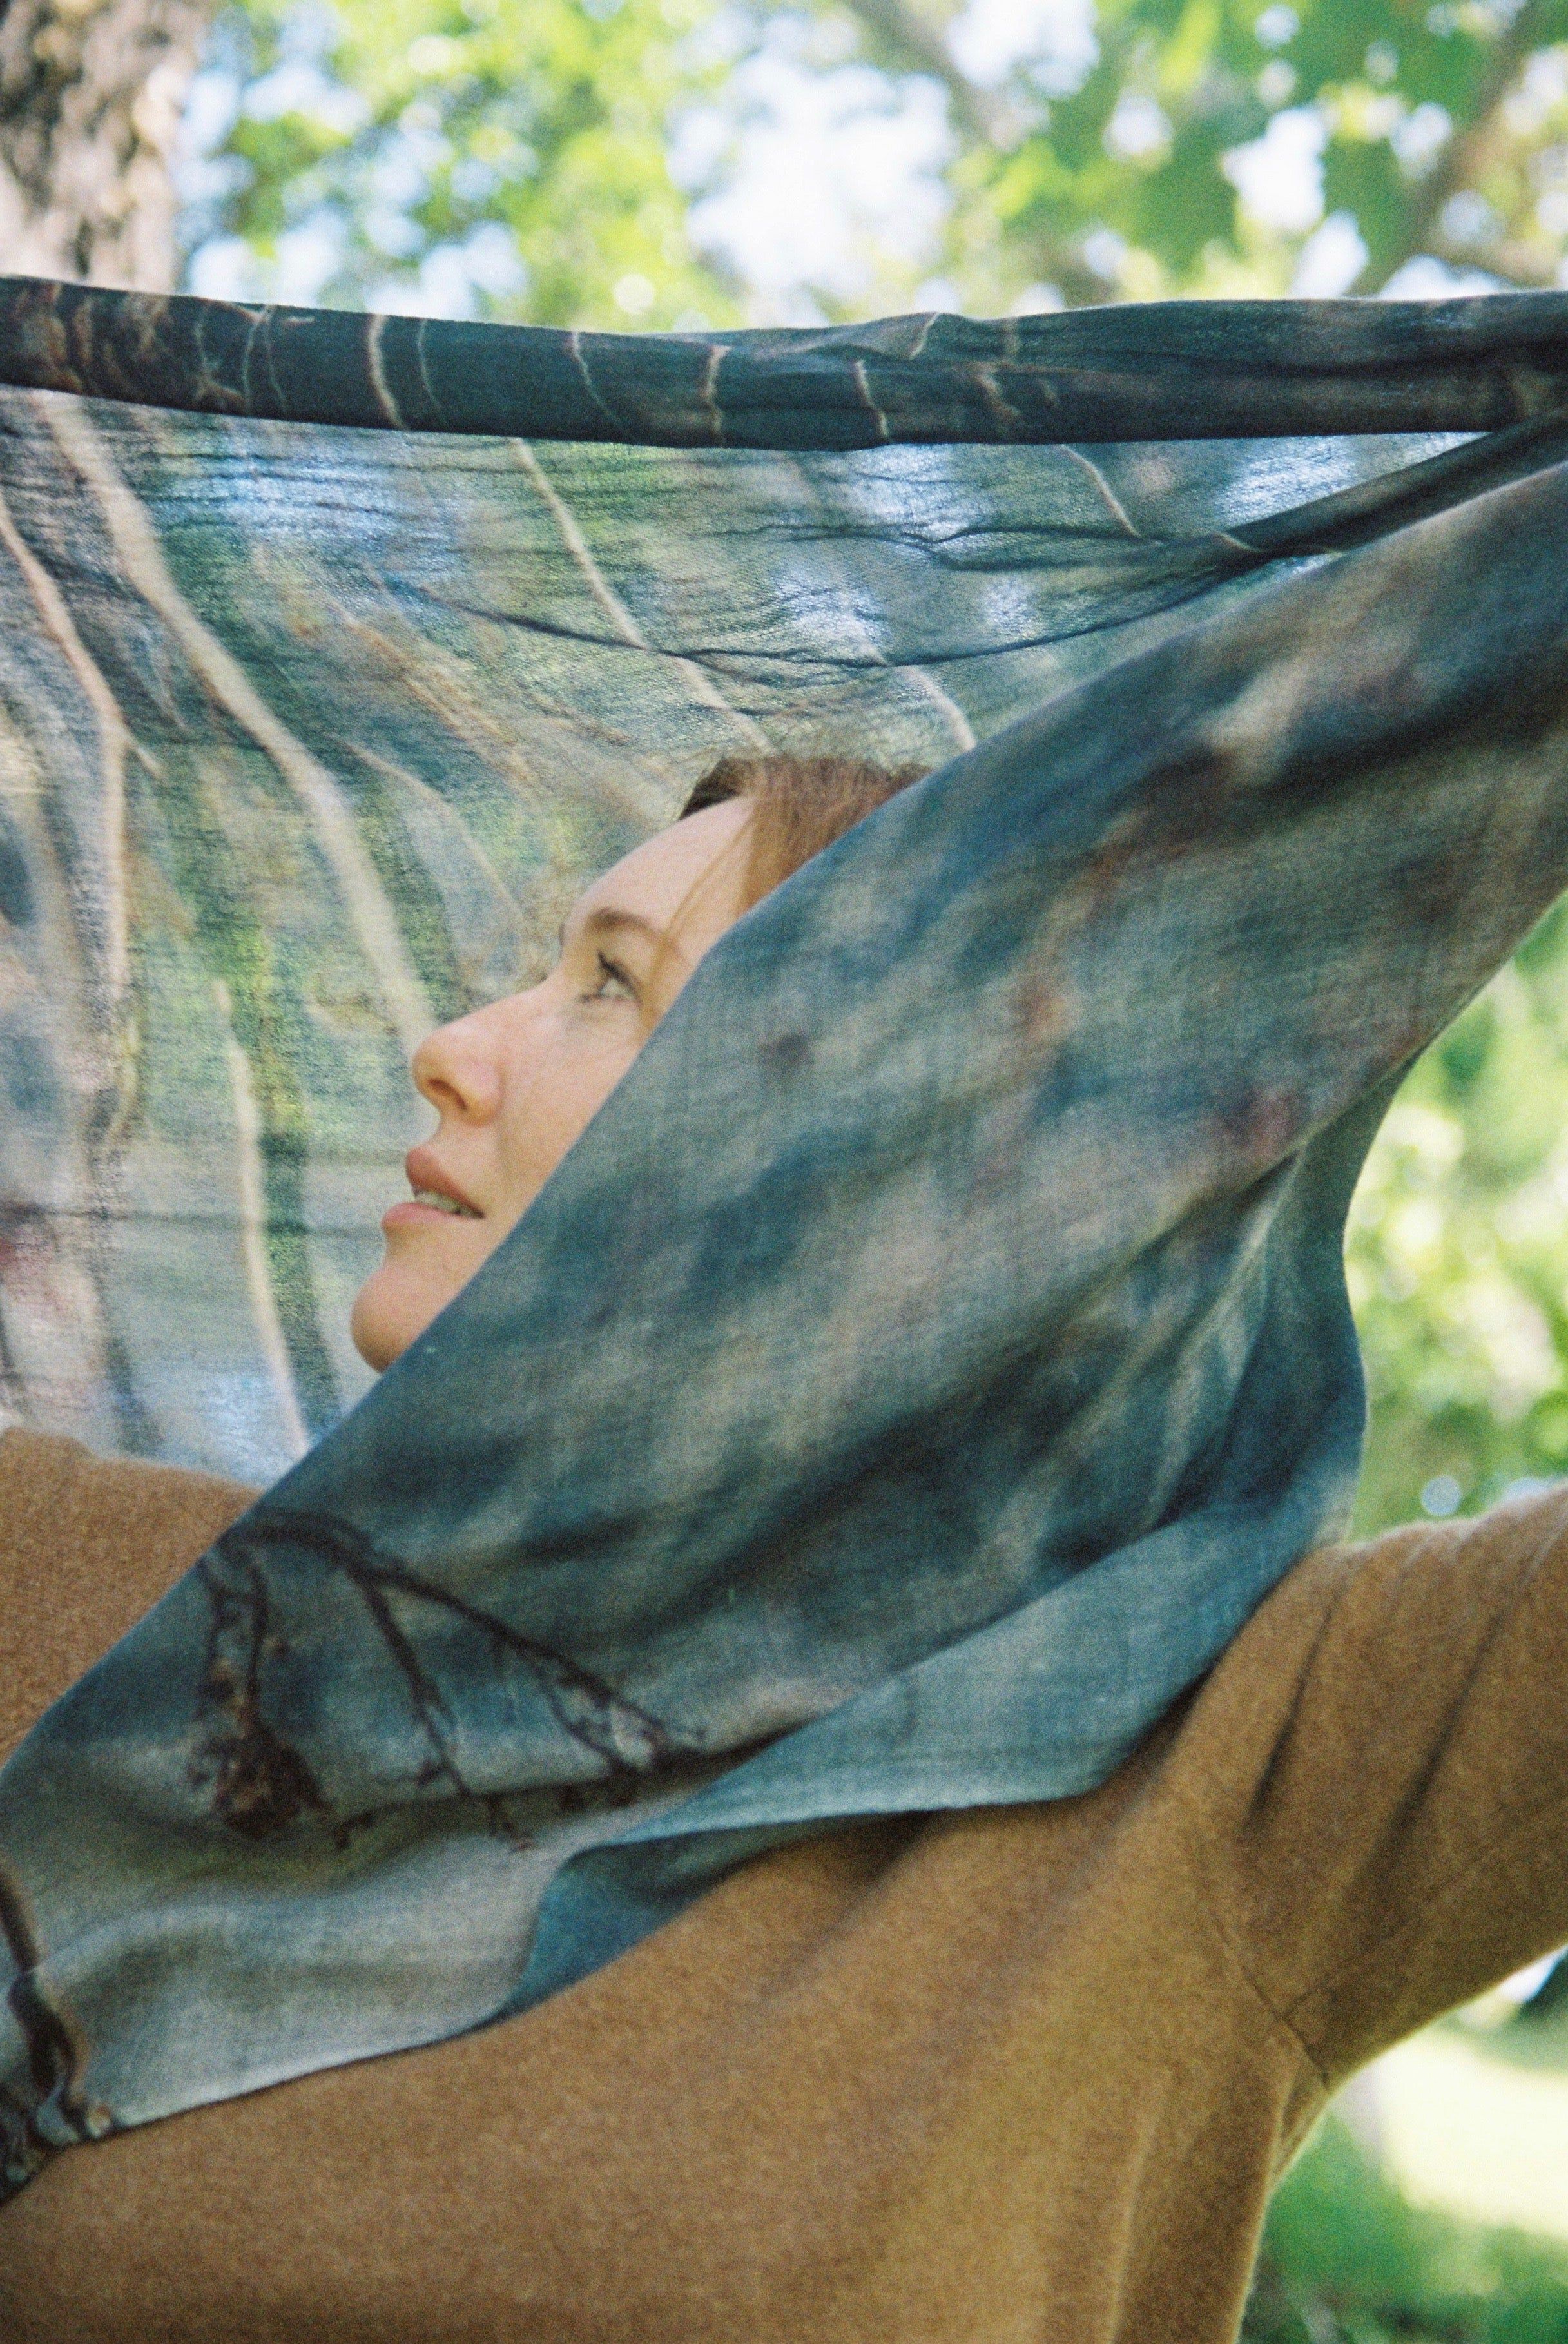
{"type": "Point", "coordinates": [515, 1085]}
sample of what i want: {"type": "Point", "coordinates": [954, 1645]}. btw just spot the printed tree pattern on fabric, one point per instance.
{"type": "Point", "coordinates": [1170, 369]}
{"type": "Point", "coordinates": [310, 738]}
{"type": "Point", "coordinates": [982, 1199]}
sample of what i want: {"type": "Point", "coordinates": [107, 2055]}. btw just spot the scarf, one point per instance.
{"type": "Point", "coordinates": [939, 1344]}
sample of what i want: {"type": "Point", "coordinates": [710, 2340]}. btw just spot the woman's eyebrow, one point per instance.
{"type": "Point", "coordinates": [609, 917]}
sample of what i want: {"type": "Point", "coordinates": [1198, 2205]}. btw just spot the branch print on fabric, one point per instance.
{"type": "Point", "coordinates": [258, 1782]}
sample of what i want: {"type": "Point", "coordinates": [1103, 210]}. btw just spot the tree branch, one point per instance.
{"type": "Point", "coordinates": [1461, 162]}
{"type": "Point", "coordinates": [906, 38]}
{"type": "Point", "coordinates": [911, 42]}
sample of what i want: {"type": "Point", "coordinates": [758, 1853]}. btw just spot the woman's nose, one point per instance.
{"type": "Point", "coordinates": [458, 1068]}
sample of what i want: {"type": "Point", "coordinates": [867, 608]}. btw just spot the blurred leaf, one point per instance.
{"type": "Point", "coordinates": [1347, 2260]}
{"type": "Point", "coordinates": [1458, 1253]}
{"type": "Point", "coordinates": [505, 157]}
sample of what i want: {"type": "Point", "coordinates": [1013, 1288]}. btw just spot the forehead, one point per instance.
{"type": "Point", "coordinates": [660, 878]}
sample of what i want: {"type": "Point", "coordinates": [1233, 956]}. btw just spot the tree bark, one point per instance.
{"type": "Point", "coordinates": [91, 95]}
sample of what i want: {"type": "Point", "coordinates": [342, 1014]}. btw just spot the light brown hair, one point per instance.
{"type": "Point", "coordinates": [799, 805]}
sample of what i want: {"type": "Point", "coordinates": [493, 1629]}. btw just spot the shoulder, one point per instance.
{"type": "Point", "coordinates": [1426, 1598]}
{"type": "Point", "coordinates": [1384, 1744]}
{"type": "Point", "coordinates": [52, 1490]}
{"type": "Point", "coordinates": [1362, 1646]}
{"type": "Point", "coordinates": [87, 1544]}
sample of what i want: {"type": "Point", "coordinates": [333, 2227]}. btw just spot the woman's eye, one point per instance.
{"type": "Point", "coordinates": [612, 982]}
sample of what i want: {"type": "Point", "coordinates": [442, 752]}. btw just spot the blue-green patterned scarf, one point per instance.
{"type": "Point", "coordinates": [938, 1345]}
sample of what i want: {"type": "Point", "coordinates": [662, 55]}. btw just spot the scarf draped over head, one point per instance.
{"type": "Point", "coordinates": [939, 1344]}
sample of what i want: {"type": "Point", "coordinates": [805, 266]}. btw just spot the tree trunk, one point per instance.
{"type": "Point", "coordinates": [91, 94]}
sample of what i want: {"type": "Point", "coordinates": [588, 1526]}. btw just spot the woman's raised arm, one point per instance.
{"type": "Point", "coordinates": [1388, 1834]}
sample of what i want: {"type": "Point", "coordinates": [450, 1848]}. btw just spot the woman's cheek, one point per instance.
{"type": "Point", "coordinates": [562, 1101]}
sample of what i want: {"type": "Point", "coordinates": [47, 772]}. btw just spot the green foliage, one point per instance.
{"type": "Point", "coordinates": [1347, 2260]}
{"type": "Point", "coordinates": [1438, 130]}
{"type": "Point", "coordinates": [513, 155]}
{"type": "Point", "coordinates": [522, 143]}
{"type": "Point", "coordinates": [1458, 1255]}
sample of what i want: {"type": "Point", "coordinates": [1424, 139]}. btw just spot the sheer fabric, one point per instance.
{"type": "Point", "coordinates": [938, 1345]}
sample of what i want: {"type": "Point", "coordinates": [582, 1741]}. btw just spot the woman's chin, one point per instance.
{"type": "Point", "coordinates": [389, 1311]}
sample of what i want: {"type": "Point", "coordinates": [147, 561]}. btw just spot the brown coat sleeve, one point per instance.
{"type": "Point", "coordinates": [87, 1546]}
{"type": "Point", "coordinates": [1388, 1834]}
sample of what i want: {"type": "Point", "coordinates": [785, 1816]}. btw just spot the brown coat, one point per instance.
{"type": "Point", "coordinates": [1021, 2074]}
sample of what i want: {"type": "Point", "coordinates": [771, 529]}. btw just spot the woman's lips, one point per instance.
{"type": "Point", "coordinates": [431, 1182]}
{"type": "Point", "coordinates": [411, 1213]}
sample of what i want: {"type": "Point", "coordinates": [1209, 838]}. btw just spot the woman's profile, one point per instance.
{"type": "Point", "coordinates": [959, 2075]}
{"type": "Point", "coordinates": [516, 1084]}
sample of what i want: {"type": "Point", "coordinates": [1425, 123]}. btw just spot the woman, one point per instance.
{"type": "Point", "coordinates": [1003, 2072]}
